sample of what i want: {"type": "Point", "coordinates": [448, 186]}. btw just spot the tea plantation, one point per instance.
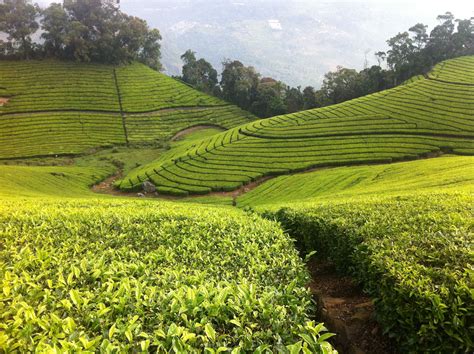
{"type": "Point", "coordinates": [138, 277]}
{"type": "Point", "coordinates": [88, 272]}
{"type": "Point", "coordinates": [57, 108]}
{"type": "Point", "coordinates": [454, 173]}
{"type": "Point", "coordinates": [411, 253]}
{"type": "Point", "coordinates": [425, 117]}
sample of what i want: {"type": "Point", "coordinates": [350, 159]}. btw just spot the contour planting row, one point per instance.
{"type": "Point", "coordinates": [409, 108]}
{"type": "Point", "coordinates": [161, 125]}
{"type": "Point", "coordinates": [453, 172]}
{"type": "Point", "coordinates": [143, 90]}
{"type": "Point", "coordinates": [229, 160]}
{"type": "Point", "coordinates": [460, 70]}
{"type": "Point", "coordinates": [57, 133]}
{"type": "Point", "coordinates": [53, 85]}
{"type": "Point", "coordinates": [66, 108]}
{"type": "Point", "coordinates": [406, 122]}
{"type": "Point", "coordinates": [115, 276]}
{"type": "Point", "coordinates": [412, 254]}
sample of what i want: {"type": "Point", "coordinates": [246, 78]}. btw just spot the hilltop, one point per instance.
{"type": "Point", "coordinates": [425, 117]}
{"type": "Point", "coordinates": [57, 108]}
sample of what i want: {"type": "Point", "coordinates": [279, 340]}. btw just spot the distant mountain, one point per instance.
{"type": "Point", "coordinates": [293, 41]}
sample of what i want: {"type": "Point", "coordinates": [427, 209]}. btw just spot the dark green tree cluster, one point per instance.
{"type": "Point", "coordinates": [416, 51]}
{"type": "Point", "coordinates": [81, 30]}
{"type": "Point", "coordinates": [410, 53]}
{"type": "Point", "coordinates": [199, 73]}
{"type": "Point", "coordinates": [245, 87]}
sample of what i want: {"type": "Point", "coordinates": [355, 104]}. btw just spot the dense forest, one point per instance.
{"type": "Point", "coordinates": [80, 30]}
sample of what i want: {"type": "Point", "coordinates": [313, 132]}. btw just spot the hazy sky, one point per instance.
{"type": "Point", "coordinates": [459, 6]}
{"type": "Point", "coordinates": [307, 37]}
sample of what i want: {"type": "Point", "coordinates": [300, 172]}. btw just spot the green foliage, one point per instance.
{"type": "Point", "coordinates": [199, 73]}
{"type": "Point", "coordinates": [412, 254]}
{"type": "Point", "coordinates": [415, 52]}
{"type": "Point", "coordinates": [18, 20]}
{"type": "Point", "coordinates": [114, 276]}
{"type": "Point", "coordinates": [80, 30]}
{"type": "Point", "coordinates": [69, 108]}
{"type": "Point", "coordinates": [431, 175]}
{"type": "Point", "coordinates": [425, 117]}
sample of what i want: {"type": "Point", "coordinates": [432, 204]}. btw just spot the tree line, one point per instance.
{"type": "Point", "coordinates": [80, 30]}
{"type": "Point", "coordinates": [410, 53]}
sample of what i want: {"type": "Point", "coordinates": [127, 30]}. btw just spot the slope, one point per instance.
{"type": "Point", "coordinates": [52, 108]}
{"type": "Point", "coordinates": [447, 173]}
{"type": "Point", "coordinates": [427, 116]}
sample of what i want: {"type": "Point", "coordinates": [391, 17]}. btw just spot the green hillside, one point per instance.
{"type": "Point", "coordinates": [453, 173]}
{"type": "Point", "coordinates": [412, 253]}
{"type": "Point", "coordinates": [424, 117]}
{"type": "Point", "coordinates": [57, 108]}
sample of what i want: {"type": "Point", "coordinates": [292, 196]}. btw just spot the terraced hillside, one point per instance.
{"type": "Point", "coordinates": [423, 117]}
{"type": "Point", "coordinates": [52, 108]}
{"type": "Point", "coordinates": [448, 173]}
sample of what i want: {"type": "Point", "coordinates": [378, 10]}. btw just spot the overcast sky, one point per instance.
{"type": "Point", "coordinates": [458, 6]}
{"type": "Point", "coordinates": [343, 32]}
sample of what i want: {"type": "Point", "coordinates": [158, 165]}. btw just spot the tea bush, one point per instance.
{"type": "Point", "coordinates": [114, 276]}
{"type": "Point", "coordinates": [423, 118]}
{"type": "Point", "coordinates": [412, 254]}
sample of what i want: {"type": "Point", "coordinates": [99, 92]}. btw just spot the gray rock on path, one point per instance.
{"type": "Point", "coordinates": [141, 195]}
{"type": "Point", "coordinates": [148, 187]}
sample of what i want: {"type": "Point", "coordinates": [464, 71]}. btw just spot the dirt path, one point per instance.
{"type": "Point", "coordinates": [195, 128]}
{"type": "Point", "coordinates": [107, 187]}
{"type": "Point", "coordinates": [347, 311]}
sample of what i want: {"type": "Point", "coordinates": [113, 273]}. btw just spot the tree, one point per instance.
{"type": "Point", "coordinates": [440, 45]}
{"type": "Point", "coordinates": [94, 30]}
{"type": "Point", "coordinates": [294, 100]}
{"type": "Point", "coordinates": [400, 55]}
{"type": "Point", "coordinates": [56, 26]}
{"type": "Point", "coordinates": [18, 20]}
{"type": "Point", "coordinates": [341, 85]}
{"type": "Point", "coordinates": [463, 39]}
{"type": "Point", "coordinates": [309, 98]}
{"type": "Point", "coordinates": [268, 101]}
{"type": "Point", "coordinates": [150, 52]}
{"type": "Point", "coordinates": [239, 83]}
{"type": "Point", "coordinates": [199, 73]}
{"type": "Point", "coordinates": [420, 35]}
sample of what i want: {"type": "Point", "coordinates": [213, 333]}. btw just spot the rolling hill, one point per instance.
{"type": "Point", "coordinates": [188, 277]}
{"type": "Point", "coordinates": [425, 117]}
{"type": "Point", "coordinates": [56, 108]}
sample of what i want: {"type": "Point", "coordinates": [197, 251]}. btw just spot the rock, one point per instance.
{"type": "Point", "coordinates": [141, 195]}
{"type": "Point", "coordinates": [148, 187]}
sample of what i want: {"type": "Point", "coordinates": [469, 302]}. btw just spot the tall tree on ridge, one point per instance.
{"type": "Point", "coordinates": [199, 73]}
{"type": "Point", "coordinates": [18, 20]}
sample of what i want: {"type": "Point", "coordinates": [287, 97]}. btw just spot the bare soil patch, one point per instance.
{"type": "Point", "coordinates": [3, 101]}
{"type": "Point", "coordinates": [347, 311]}
{"type": "Point", "coordinates": [190, 130]}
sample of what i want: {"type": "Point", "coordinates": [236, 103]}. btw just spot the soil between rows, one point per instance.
{"type": "Point", "coordinates": [347, 311]}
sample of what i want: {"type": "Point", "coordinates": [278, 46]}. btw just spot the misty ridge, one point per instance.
{"type": "Point", "coordinates": [267, 57]}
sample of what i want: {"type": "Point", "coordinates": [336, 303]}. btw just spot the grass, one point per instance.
{"type": "Point", "coordinates": [60, 108]}
{"type": "Point", "coordinates": [73, 176]}
{"type": "Point", "coordinates": [453, 173]}
{"type": "Point", "coordinates": [421, 118]}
